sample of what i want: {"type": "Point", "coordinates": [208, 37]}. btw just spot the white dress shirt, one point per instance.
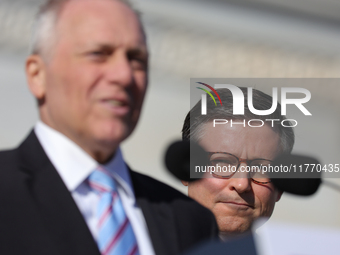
{"type": "Point", "coordinates": [74, 165]}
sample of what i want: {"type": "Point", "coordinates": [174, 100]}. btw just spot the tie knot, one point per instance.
{"type": "Point", "coordinates": [101, 181]}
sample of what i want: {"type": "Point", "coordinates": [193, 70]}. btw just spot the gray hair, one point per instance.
{"type": "Point", "coordinates": [194, 123]}
{"type": "Point", "coordinates": [43, 37]}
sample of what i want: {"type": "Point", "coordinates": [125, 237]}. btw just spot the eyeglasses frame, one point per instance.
{"type": "Point", "coordinates": [240, 160]}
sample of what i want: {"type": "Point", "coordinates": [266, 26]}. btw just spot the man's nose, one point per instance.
{"type": "Point", "coordinates": [240, 181]}
{"type": "Point", "coordinates": [119, 70]}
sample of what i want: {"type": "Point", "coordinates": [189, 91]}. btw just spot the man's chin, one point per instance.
{"type": "Point", "coordinates": [107, 139]}
{"type": "Point", "coordinates": [235, 227]}
{"type": "Point", "coordinates": [111, 139]}
{"type": "Point", "coordinates": [112, 133]}
{"type": "Point", "coordinates": [103, 149]}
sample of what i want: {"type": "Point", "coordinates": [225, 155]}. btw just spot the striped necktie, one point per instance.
{"type": "Point", "coordinates": [115, 231]}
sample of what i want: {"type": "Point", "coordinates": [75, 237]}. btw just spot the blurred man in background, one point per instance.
{"type": "Point", "coordinates": [67, 189]}
{"type": "Point", "coordinates": [238, 197]}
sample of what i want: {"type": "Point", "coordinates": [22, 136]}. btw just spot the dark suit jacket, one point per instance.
{"type": "Point", "coordinates": [38, 215]}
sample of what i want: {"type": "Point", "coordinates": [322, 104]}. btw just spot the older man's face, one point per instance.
{"type": "Point", "coordinates": [96, 78]}
{"type": "Point", "coordinates": [237, 202]}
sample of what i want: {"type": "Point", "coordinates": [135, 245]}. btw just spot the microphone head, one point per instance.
{"type": "Point", "coordinates": [303, 181]}
{"type": "Point", "coordinates": [181, 158]}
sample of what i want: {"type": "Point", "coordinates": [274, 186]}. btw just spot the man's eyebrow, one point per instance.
{"type": "Point", "coordinates": [139, 51]}
{"type": "Point", "coordinates": [106, 46]}
{"type": "Point", "coordinates": [102, 46]}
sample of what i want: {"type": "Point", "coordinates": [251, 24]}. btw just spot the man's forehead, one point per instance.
{"type": "Point", "coordinates": [72, 3]}
{"type": "Point", "coordinates": [260, 142]}
{"type": "Point", "coordinates": [102, 8]}
{"type": "Point", "coordinates": [101, 19]}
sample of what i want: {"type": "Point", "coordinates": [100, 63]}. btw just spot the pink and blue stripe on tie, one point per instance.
{"type": "Point", "coordinates": [116, 236]}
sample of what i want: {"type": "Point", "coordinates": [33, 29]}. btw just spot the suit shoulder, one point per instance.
{"type": "Point", "coordinates": [194, 222]}
{"type": "Point", "coordinates": [160, 192]}
{"type": "Point", "coordinates": [12, 179]}
{"type": "Point", "coordinates": [8, 157]}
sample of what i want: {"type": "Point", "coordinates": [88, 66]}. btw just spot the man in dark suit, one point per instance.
{"type": "Point", "coordinates": [66, 189]}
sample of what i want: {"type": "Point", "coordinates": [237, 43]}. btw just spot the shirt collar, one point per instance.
{"type": "Point", "coordinates": [117, 167]}
{"type": "Point", "coordinates": [74, 165]}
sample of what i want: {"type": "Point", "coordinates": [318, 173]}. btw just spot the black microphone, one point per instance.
{"type": "Point", "coordinates": [302, 180]}
{"type": "Point", "coordinates": [182, 157]}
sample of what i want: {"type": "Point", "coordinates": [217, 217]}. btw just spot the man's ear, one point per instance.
{"type": "Point", "coordinates": [185, 183]}
{"type": "Point", "coordinates": [279, 194]}
{"type": "Point", "coordinates": [36, 76]}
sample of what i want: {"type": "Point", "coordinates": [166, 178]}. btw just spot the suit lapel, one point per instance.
{"type": "Point", "coordinates": [60, 215]}
{"type": "Point", "coordinates": [158, 215]}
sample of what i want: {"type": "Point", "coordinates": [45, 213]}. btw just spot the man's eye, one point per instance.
{"type": "Point", "coordinates": [220, 162]}
{"type": "Point", "coordinates": [138, 63]}
{"type": "Point", "coordinates": [98, 54]}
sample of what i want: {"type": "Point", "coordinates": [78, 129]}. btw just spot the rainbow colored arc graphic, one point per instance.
{"type": "Point", "coordinates": [208, 92]}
